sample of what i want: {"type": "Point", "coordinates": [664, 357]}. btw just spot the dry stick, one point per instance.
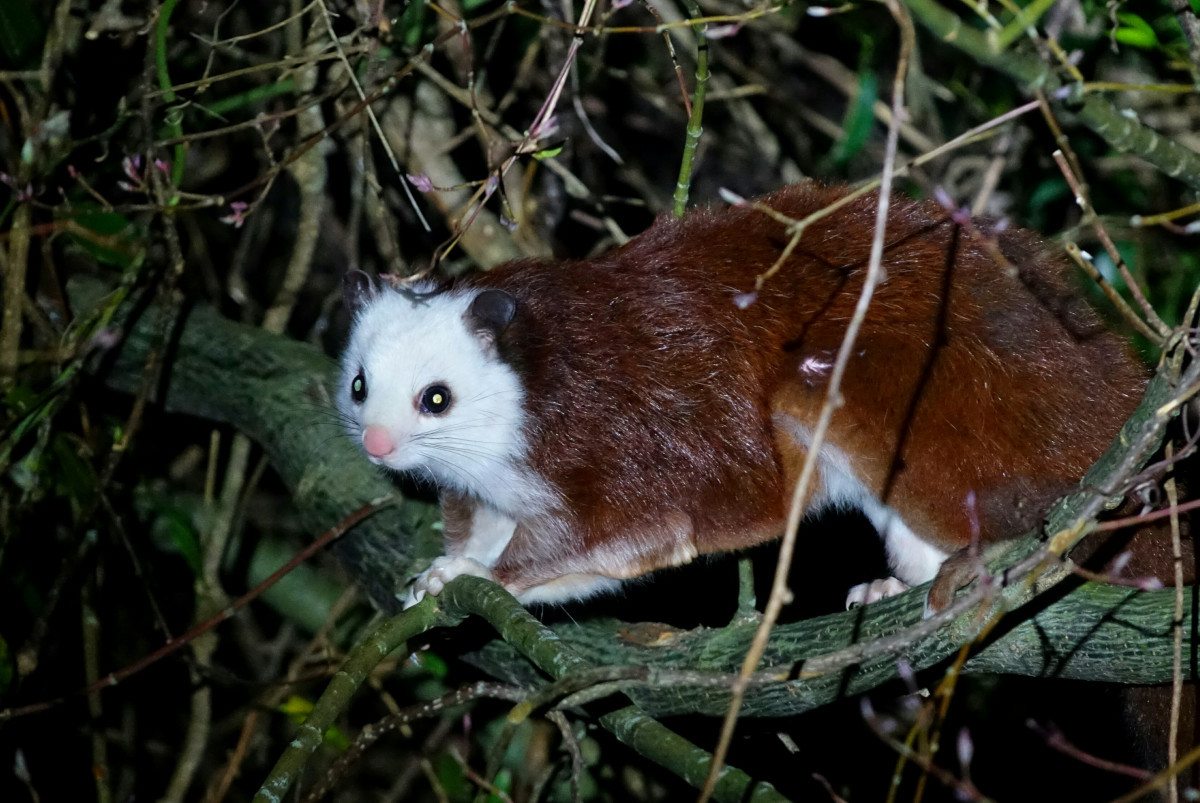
{"type": "Point", "coordinates": [1164, 217]}
{"type": "Point", "coordinates": [362, 96]}
{"type": "Point", "coordinates": [745, 17]}
{"type": "Point", "coordinates": [1177, 627]}
{"type": "Point", "coordinates": [91, 663]}
{"type": "Point", "coordinates": [1160, 780]}
{"type": "Point", "coordinates": [1115, 298]}
{"type": "Point", "coordinates": [387, 86]}
{"type": "Point", "coordinates": [360, 662]}
{"type": "Point", "coordinates": [1191, 30]}
{"type": "Point", "coordinates": [1177, 558]}
{"type": "Point", "coordinates": [372, 733]}
{"type": "Point", "coordinates": [945, 694]}
{"type": "Point", "coordinates": [457, 94]}
{"type": "Point", "coordinates": [797, 227]}
{"type": "Point", "coordinates": [1129, 521]}
{"type": "Point", "coordinates": [1060, 137]}
{"type": "Point", "coordinates": [234, 764]}
{"type": "Point", "coordinates": [527, 143]}
{"type": "Point", "coordinates": [328, 537]}
{"type": "Point", "coordinates": [1072, 171]}
{"type": "Point", "coordinates": [14, 265]}
{"type": "Point", "coordinates": [1056, 740]}
{"type": "Point", "coordinates": [654, 12]}
{"type": "Point", "coordinates": [571, 745]}
{"type": "Point", "coordinates": [203, 84]}
{"type": "Point", "coordinates": [965, 790]}
{"type": "Point", "coordinates": [1090, 216]}
{"type": "Point", "coordinates": [779, 590]}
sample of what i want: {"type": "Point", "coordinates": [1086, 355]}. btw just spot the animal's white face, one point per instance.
{"type": "Point", "coordinates": [420, 391]}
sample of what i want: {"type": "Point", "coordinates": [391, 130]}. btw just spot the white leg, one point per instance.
{"type": "Point", "coordinates": [442, 571]}
{"type": "Point", "coordinates": [491, 531]}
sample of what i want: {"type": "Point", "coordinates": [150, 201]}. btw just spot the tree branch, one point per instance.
{"type": "Point", "coordinates": [1121, 131]}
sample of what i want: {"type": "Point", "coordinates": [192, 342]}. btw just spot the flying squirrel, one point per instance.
{"type": "Point", "coordinates": [589, 421]}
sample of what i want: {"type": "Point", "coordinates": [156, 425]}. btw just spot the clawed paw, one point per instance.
{"type": "Point", "coordinates": [866, 593]}
{"type": "Point", "coordinates": [441, 572]}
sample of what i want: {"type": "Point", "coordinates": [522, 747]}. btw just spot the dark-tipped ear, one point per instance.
{"type": "Point", "coordinates": [490, 314]}
{"type": "Point", "coordinates": [358, 288]}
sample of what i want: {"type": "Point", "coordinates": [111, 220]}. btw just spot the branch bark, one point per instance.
{"type": "Point", "coordinates": [1122, 131]}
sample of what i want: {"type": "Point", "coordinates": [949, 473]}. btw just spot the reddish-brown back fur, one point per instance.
{"type": "Point", "coordinates": [651, 394]}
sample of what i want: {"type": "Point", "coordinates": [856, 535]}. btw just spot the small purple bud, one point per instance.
{"type": "Point", "coordinates": [722, 31]}
{"type": "Point", "coordinates": [966, 748]}
{"type": "Point", "coordinates": [420, 181]}
{"type": "Point", "coordinates": [132, 166]}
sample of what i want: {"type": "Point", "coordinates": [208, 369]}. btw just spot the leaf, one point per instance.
{"type": "Point", "coordinates": [548, 153]}
{"type": "Point", "coordinates": [860, 115]}
{"type": "Point", "coordinates": [433, 663]}
{"type": "Point", "coordinates": [177, 527]}
{"type": "Point", "coordinates": [412, 24]}
{"type": "Point", "coordinates": [110, 238]}
{"type": "Point", "coordinates": [1135, 32]}
{"type": "Point", "coordinates": [450, 777]}
{"type": "Point", "coordinates": [503, 783]}
{"type": "Point", "coordinates": [1047, 193]}
{"type": "Point", "coordinates": [298, 708]}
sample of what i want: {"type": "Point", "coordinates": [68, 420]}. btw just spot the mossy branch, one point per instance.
{"type": "Point", "coordinates": [1121, 131]}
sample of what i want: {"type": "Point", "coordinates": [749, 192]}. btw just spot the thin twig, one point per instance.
{"type": "Point", "coordinates": [779, 590]}
{"type": "Point", "coordinates": [383, 140]}
{"type": "Point", "coordinates": [1089, 214]}
{"type": "Point", "coordinates": [328, 537]}
{"type": "Point", "coordinates": [1177, 628]}
{"type": "Point", "coordinates": [370, 734]}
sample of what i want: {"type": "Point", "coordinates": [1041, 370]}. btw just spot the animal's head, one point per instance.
{"type": "Point", "coordinates": [423, 387]}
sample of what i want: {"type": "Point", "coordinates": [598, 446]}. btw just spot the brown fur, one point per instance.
{"type": "Point", "coordinates": [650, 394]}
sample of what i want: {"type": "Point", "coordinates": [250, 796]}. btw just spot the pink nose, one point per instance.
{"type": "Point", "coordinates": [378, 441]}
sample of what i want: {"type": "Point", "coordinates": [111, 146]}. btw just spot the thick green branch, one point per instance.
{"type": "Point", "coordinates": [1123, 132]}
{"type": "Point", "coordinates": [277, 391]}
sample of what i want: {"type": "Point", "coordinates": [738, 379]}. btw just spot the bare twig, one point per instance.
{"type": "Point", "coordinates": [779, 591]}
{"type": "Point", "coordinates": [1090, 216]}
{"type": "Point", "coordinates": [328, 537]}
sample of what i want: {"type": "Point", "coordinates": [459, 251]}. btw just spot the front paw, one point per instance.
{"type": "Point", "coordinates": [866, 593]}
{"type": "Point", "coordinates": [442, 571]}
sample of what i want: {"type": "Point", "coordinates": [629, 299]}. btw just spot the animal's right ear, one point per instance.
{"type": "Point", "coordinates": [358, 288]}
{"type": "Point", "coordinates": [489, 315]}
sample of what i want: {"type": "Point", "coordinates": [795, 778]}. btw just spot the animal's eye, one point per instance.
{"type": "Point", "coordinates": [435, 399]}
{"type": "Point", "coordinates": [358, 388]}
